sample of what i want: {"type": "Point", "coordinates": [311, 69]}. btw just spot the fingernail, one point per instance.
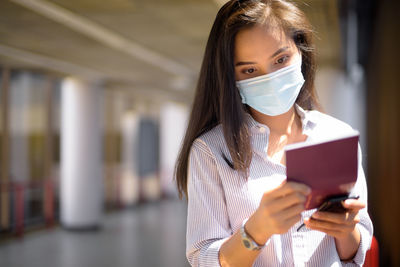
{"type": "Point", "coordinates": [308, 191]}
{"type": "Point", "coordinates": [347, 201]}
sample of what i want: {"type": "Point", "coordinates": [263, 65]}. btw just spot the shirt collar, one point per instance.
{"type": "Point", "coordinates": [307, 121]}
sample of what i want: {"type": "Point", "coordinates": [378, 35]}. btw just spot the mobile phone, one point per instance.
{"type": "Point", "coordinates": [334, 204]}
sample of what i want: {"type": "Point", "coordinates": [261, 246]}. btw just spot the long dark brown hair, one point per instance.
{"type": "Point", "coordinates": [217, 100]}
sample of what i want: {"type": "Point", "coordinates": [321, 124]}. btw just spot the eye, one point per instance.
{"type": "Point", "coordinates": [249, 70]}
{"type": "Point", "coordinates": [282, 60]}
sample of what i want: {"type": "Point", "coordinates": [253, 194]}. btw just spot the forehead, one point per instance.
{"type": "Point", "coordinates": [260, 40]}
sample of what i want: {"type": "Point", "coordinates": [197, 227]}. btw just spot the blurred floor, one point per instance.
{"type": "Point", "coordinates": [147, 235]}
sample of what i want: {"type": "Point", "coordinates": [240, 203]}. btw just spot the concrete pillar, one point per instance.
{"type": "Point", "coordinates": [5, 148]}
{"type": "Point", "coordinates": [129, 186]}
{"type": "Point", "coordinates": [173, 123]}
{"type": "Point", "coordinates": [148, 158]}
{"type": "Point", "coordinates": [20, 100]}
{"type": "Point", "coordinates": [81, 185]}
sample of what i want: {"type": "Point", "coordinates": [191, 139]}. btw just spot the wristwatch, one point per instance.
{"type": "Point", "coordinates": [247, 240]}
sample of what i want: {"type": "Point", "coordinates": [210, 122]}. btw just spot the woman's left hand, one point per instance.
{"type": "Point", "coordinates": [342, 226]}
{"type": "Point", "coordinates": [338, 225]}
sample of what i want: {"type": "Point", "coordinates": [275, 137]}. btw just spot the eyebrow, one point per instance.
{"type": "Point", "coordinates": [280, 50]}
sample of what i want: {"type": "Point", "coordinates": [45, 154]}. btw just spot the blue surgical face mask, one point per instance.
{"type": "Point", "coordinates": [274, 93]}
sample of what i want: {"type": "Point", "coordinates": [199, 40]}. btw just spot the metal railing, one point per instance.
{"type": "Point", "coordinates": [20, 194]}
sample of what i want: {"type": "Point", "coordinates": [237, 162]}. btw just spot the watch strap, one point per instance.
{"type": "Point", "coordinates": [247, 240]}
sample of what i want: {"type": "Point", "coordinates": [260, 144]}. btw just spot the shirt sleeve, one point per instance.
{"type": "Point", "coordinates": [365, 225]}
{"type": "Point", "coordinates": [207, 222]}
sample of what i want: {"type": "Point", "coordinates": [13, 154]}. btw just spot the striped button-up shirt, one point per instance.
{"type": "Point", "coordinates": [220, 198]}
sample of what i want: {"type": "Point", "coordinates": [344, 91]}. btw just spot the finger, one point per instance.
{"type": "Point", "coordinates": [330, 232]}
{"type": "Point", "coordinates": [285, 225]}
{"type": "Point", "coordinates": [277, 205]}
{"type": "Point", "coordinates": [292, 220]}
{"type": "Point", "coordinates": [287, 188]}
{"type": "Point", "coordinates": [339, 218]}
{"type": "Point", "coordinates": [295, 187]}
{"type": "Point", "coordinates": [353, 204]}
{"type": "Point", "coordinates": [330, 216]}
{"type": "Point", "coordinates": [327, 226]}
{"type": "Point", "coordinates": [290, 212]}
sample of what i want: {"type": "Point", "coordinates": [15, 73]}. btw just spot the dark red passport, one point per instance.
{"type": "Point", "coordinates": [328, 167]}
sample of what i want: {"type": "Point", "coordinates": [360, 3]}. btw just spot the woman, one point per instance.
{"type": "Point", "coordinates": [254, 96]}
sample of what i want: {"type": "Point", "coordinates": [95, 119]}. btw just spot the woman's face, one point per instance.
{"type": "Point", "coordinates": [260, 50]}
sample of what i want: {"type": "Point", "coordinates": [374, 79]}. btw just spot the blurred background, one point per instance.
{"type": "Point", "coordinates": [94, 101]}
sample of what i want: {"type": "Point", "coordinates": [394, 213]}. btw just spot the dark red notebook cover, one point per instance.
{"type": "Point", "coordinates": [329, 167]}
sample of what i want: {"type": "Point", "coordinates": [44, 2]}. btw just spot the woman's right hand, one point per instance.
{"type": "Point", "coordinates": [279, 209]}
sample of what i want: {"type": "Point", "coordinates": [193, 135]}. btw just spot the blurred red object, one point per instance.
{"type": "Point", "coordinates": [372, 258]}
{"type": "Point", "coordinates": [19, 208]}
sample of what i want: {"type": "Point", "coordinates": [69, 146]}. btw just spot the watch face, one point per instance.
{"type": "Point", "coordinates": [246, 243]}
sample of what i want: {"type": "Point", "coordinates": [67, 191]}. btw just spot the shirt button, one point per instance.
{"type": "Point", "coordinates": [262, 130]}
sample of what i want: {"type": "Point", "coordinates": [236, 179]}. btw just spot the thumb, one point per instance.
{"type": "Point", "coordinates": [353, 204]}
